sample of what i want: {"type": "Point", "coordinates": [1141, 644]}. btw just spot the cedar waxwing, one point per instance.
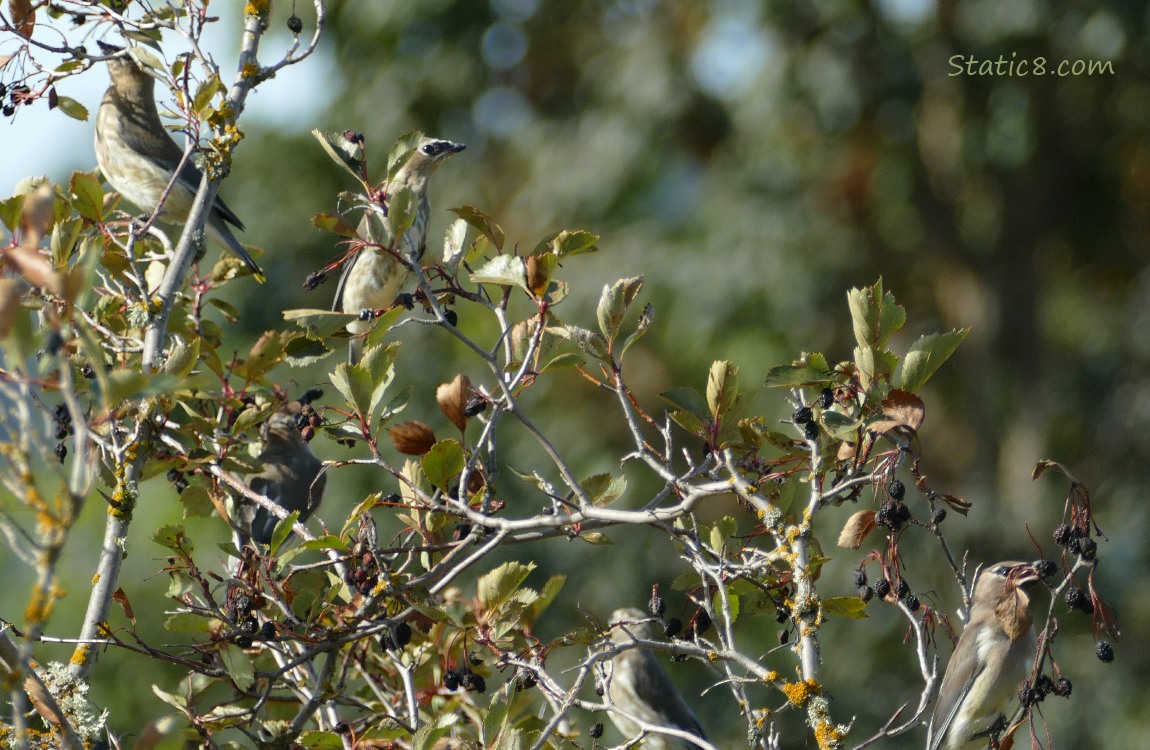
{"type": "Point", "coordinates": [291, 476]}
{"type": "Point", "coordinates": [993, 656]}
{"type": "Point", "coordinates": [638, 684]}
{"type": "Point", "coordinates": [138, 157]}
{"type": "Point", "coordinates": [372, 278]}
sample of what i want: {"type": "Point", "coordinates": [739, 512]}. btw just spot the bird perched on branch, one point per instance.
{"type": "Point", "coordinates": [291, 477]}
{"type": "Point", "coordinates": [993, 656]}
{"type": "Point", "coordinates": [372, 278]}
{"type": "Point", "coordinates": [637, 684]}
{"type": "Point", "coordinates": [138, 157]}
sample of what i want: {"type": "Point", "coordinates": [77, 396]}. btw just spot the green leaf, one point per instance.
{"type": "Point", "coordinates": [197, 502]}
{"type": "Point", "coordinates": [87, 195]}
{"type": "Point", "coordinates": [722, 388]}
{"type": "Point", "coordinates": [613, 304]}
{"type": "Point", "coordinates": [566, 359]}
{"type": "Point", "coordinates": [568, 242]}
{"type": "Point", "coordinates": [343, 151]}
{"type": "Point", "coordinates": [336, 223]}
{"type": "Point", "coordinates": [687, 399]}
{"type": "Point", "coordinates": [840, 425]}
{"type": "Point", "coordinates": [874, 315]}
{"type": "Point", "coordinates": [186, 622]}
{"type": "Point", "coordinates": [849, 607]}
{"type": "Point", "coordinates": [796, 375]}
{"type": "Point", "coordinates": [722, 533]}
{"type": "Point", "coordinates": [603, 489]}
{"type": "Point", "coordinates": [503, 270]}
{"type": "Point", "coordinates": [443, 462]}
{"type": "Point", "coordinates": [238, 665]}
{"type": "Point", "coordinates": [401, 210]}
{"type": "Point", "coordinates": [483, 223]}
{"type": "Point", "coordinates": [266, 353]}
{"type": "Point", "coordinates": [497, 587]}
{"type": "Point", "coordinates": [321, 741]}
{"type": "Point", "coordinates": [319, 324]}
{"type": "Point", "coordinates": [379, 363]}
{"type": "Point", "coordinates": [453, 241]}
{"type": "Point", "coordinates": [204, 95]}
{"type": "Point", "coordinates": [355, 384]}
{"type": "Point", "coordinates": [172, 537]}
{"type": "Point", "coordinates": [427, 735]}
{"type": "Point", "coordinates": [282, 531]}
{"type": "Point", "coordinates": [925, 357]}
{"type": "Point", "coordinates": [590, 342]}
{"type": "Point", "coordinates": [640, 329]}
{"type": "Point", "coordinates": [401, 151]}
{"type": "Point", "coordinates": [690, 422]}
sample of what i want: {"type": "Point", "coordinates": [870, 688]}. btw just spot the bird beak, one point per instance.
{"type": "Point", "coordinates": [457, 147]}
{"type": "Point", "coordinates": [108, 49]}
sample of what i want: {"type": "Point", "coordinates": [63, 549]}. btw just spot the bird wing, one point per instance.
{"type": "Point", "coordinates": [348, 264]}
{"type": "Point", "coordinates": [945, 711]}
{"type": "Point", "coordinates": [654, 687]}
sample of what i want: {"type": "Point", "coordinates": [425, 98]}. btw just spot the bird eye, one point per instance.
{"type": "Point", "coordinates": [429, 149]}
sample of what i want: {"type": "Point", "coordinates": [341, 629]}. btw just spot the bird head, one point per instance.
{"type": "Point", "coordinates": [127, 74]}
{"type": "Point", "coordinates": [999, 589]}
{"type": "Point", "coordinates": [425, 158]}
{"type": "Point", "coordinates": [628, 624]}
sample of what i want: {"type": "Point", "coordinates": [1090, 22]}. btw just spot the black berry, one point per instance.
{"type": "Point", "coordinates": [673, 627]}
{"type": "Point", "coordinates": [802, 415]}
{"type": "Point", "coordinates": [243, 641]}
{"type": "Point", "coordinates": [827, 398]}
{"type": "Point", "coordinates": [1088, 548]}
{"type": "Point", "coordinates": [896, 489]}
{"type": "Point", "coordinates": [294, 24]}
{"type": "Point", "coordinates": [1105, 651]}
{"type": "Point", "coordinates": [1061, 534]}
{"type": "Point", "coordinates": [866, 593]}
{"type": "Point", "coordinates": [902, 589]}
{"type": "Point", "coordinates": [1044, 686]}
{"type": "Point", "coordinates": [811, 431]}
{"type": "Point", "coordinates": [782, 613]}
{"type": "Point", "coordinates": [1062, 687]}
{"type": "Point", "coordinates": [451, 680]}
{"type": "Point", "coordinates": [596, 730]}
{"type": "Point", "coordinates": [938, 516]}
{"type": "Point", "coordinates": [881, 588]}
{"type": "Point", "coordinates": [701, 624]}
{"type": "Point", "coordinates": [860, 577]}
{"type": "Point", "coordinates": [395, 635]}
{"type": "Point", "coordinates": [912, 603]}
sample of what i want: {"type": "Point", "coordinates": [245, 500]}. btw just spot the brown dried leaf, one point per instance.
{"type": "Point", "coordinates": [413, 438]}
{"type": "Point", "coordinates": [856, 529]}
{"type": "Point", "coordinates": [119, 597]}
{"type": "Point", "coordinates": [11, 291]}
{"type": "Point", "coordinates": [34, 267]}
{"type": "Point", "coordinates": [1046, 463]}
{"type": "Point", "coordinates": [904, 411]}
{"type": "Point", "coordinates": [452, 399]}
{"type": "Point", "coordinates": [23, 17]}
{"type": "Point", "coordinates": [38, 215]}
{"type": "Point", "coordinates": [1012, 614]}
{"type": "Point", "coordinates": [846, 451]}
{"type": "Point", "coordinates": [956, 503]}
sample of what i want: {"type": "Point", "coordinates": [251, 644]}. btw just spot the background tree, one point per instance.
{"type": "Point", "coordinates": [753, 164]}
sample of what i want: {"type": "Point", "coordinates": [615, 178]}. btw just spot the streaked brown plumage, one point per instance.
{"type": "Point", "coordinates": [993, 656]}
{"type": "Point", "coordinates": [138, 157]}
{"type": "Point", "coordinates": [372, 278]}
{"type": "Point", "coordinates": [638, 684]}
